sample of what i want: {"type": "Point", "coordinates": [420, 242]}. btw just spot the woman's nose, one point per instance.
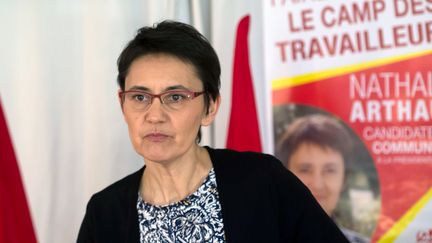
{"type": "Point", "coordinates": [155, 112]}
{"type": "Point", "coordinates": [317, 182]}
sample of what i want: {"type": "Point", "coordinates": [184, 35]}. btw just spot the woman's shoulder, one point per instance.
{"type": "Point", "coordinates": [128, 185]}
{"type": "Point", "coordinates": [111, 208]}
{"type": "Point", "coordinates": [255, 168]}
{"type": "Point", "coordinates": [236, 158]}
{"type": "Point", "coordinates": [228, 163]}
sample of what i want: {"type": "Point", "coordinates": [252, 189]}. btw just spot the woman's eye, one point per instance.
{"type": "Point", "coordinates": [176, 97]}
{"type": "Point", "coordinates": [304, 170]}
{"type": "Point", "coordinates": [330, 171]}
{"type": "Point", "coordinates": [139, 98]}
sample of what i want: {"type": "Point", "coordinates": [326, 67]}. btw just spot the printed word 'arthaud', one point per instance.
{"type": "Point", "coordinates": [391, 97]}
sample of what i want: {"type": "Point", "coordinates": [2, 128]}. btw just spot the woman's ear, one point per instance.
{"type": "Point", "coordinates": [212, 111]}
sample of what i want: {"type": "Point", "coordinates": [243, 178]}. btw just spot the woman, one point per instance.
{"type": "Point", "coordinates": [169, 87]}
{"type": "Point", "coordinates": [316, 148]}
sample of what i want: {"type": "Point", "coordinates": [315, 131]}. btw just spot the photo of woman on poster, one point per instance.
{"type": "Point", "coordinates": [318, 149]}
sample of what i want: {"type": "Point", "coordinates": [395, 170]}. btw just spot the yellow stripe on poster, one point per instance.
{"type": "Point", "coordinates": [406, 219]}
{"type": "Point", "coordinates": [313, 77]}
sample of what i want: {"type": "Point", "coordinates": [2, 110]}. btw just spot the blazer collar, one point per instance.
{"type": "Point", "coordinates": [133, 233]}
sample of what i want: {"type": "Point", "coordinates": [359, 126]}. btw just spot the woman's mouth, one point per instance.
{"type": "Point", "coordinates": [156, 137]}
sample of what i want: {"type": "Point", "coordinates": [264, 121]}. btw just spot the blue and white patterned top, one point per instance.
{"type": "Point", "coordinates": [197, 218]}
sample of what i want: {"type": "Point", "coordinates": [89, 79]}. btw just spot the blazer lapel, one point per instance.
{"type": "Point", "coordinates": [132, 224]}
{"type": "Point", "coordinates": [228, 188]}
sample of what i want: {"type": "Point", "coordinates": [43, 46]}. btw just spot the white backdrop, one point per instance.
{"type": "Point", "coordinates": [58, 89]}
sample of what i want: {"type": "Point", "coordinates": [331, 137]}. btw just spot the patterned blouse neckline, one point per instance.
{"type": "Point", "coordinates": [184, 201]}
{"type": "Point", "coordinates": [196, 218]}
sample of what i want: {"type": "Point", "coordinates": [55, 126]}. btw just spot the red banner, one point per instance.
{"type": "Point", "coordinates": [15, 221]}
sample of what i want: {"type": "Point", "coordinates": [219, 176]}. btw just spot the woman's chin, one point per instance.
{"type": "Point", "coordinates": [155, 157]}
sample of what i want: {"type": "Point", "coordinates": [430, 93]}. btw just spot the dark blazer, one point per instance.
{"type": "Point", "coordinates": [261, 202]}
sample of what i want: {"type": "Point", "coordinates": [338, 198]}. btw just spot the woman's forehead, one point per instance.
{"type": "Point", "coordinates": [316, 152]}
{"type": "Point", "coordinates": [160, 72]}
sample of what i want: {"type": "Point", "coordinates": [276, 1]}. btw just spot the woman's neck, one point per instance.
{"type": "Point", "coordinates": [168, 182]}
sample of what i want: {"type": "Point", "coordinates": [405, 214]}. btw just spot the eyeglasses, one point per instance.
{"type": "Point", "coordinates": [172, 99]}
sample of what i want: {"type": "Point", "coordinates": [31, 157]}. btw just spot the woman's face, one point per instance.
{"type": "Point", "coordinates": [322, 170]}
{"type": "Point", "coordinates": [160, 134]}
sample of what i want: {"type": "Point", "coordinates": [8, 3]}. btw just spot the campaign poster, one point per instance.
{"type": "Point", "coordinates": [352, 109]}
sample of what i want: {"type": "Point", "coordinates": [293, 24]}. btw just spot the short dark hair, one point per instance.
{"type": "Point", "coordinates": [181, 41]}
{"type": "Point", "coordinates": [317, 129]}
